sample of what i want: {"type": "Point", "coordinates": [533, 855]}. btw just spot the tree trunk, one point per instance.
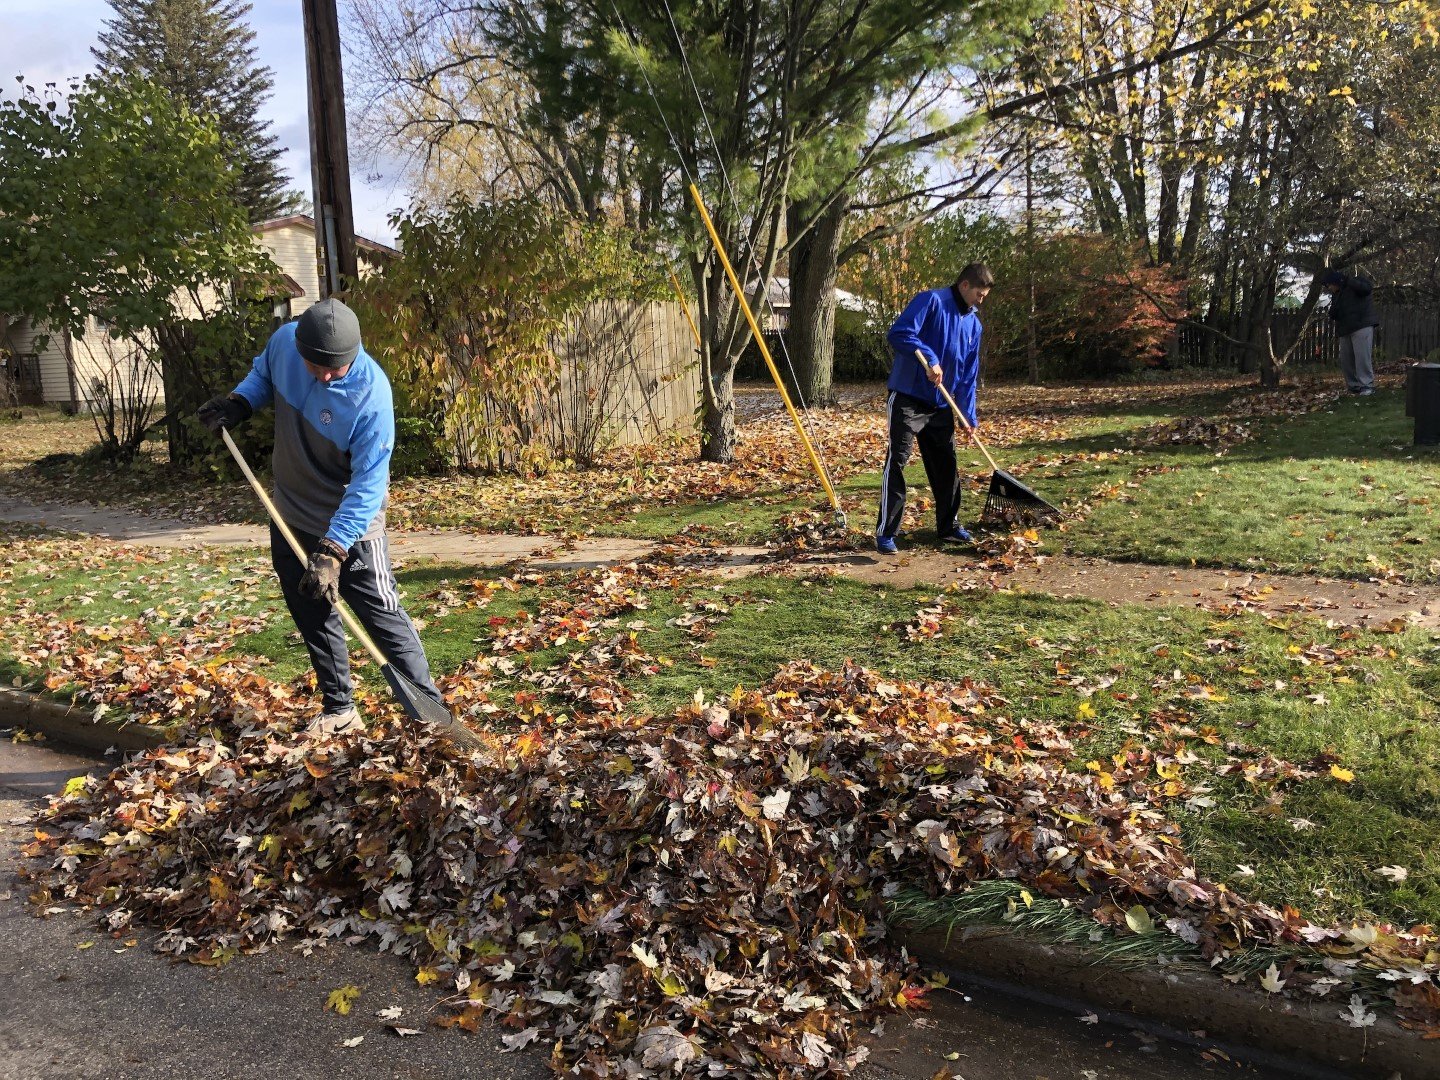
{"type": "Point", "coordinates": [180, 394]}
{"type": "Point", "coordinates": [721, 346]}
{"type": "Point", "coordinates": [814, 264]}
{"type": "Point", "coordinates": [1032, 351]}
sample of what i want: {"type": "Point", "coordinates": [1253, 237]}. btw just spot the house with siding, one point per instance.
{"type": "Point", "coordinates": [64, 369]}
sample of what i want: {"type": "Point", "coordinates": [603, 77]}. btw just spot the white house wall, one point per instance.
{"type": "Point", "coordinates": [54, 372]}
{"type": "Point", "coordinates": [293, 249]}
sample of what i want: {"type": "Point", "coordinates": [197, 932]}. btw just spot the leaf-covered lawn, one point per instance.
{"type": "Point", "coordinates": [653, 491]}
{"type": "Point", "coordinates": [1114, 678]}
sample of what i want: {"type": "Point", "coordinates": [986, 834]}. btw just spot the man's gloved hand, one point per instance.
{"type": "Point", "coordinates": [224, 412]}
{"type": "Point", "coordinates": [322, 572]}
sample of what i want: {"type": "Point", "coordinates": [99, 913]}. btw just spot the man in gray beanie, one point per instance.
{"type": "Point", "coordinates": [1354, 316]}
{"type": "Point", "coordinates": [334, 434]}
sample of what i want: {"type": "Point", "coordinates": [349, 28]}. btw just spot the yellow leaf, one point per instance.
{"type": "Point", "coordinates": [427, 975]}
{"type": "Point", "coordinates": [1343, 775]}
{"type": "Point", "coordinates": [340, 1000]}
{"type": "Point", "coordinates": [1138, 919]}
{"type": "Point", "coordinates": [1086, 711]}
{"type": "Point", "coordinates": [86, 945]}
{"type": "Point", "coordinates": [670, 985]}
{"type": "Point", "coordinates": [75, 786]}
{"type": "Point", "coordinates": [1029, 900]}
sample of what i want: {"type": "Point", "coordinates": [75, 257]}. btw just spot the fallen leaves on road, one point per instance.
{"type": "Point", "coordinates": [703, 890]}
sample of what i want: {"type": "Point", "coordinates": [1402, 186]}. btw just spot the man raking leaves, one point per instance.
{"type": "Point", "coordinates": [943, 325]}
{"type": "Point", "coordinates": [334, 435]}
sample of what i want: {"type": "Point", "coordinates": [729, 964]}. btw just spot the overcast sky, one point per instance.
{"type": "Point", "coordinates": [50, 41]}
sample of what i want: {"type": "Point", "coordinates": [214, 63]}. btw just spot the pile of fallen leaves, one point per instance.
{"type": "Point", "coordinates": [1225, 429]}
{"type": "Point", "coordinates": [694, 892]}
{"type": "Point", "coordinates": [807, 532]}
{"type": "Point", "coordinates": [1196, 431]}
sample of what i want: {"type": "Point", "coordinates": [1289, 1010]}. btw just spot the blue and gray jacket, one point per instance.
{"type": "Point", "coordinates": [332, 441]}
{"type": "Point", "coordinates": [941, 325]}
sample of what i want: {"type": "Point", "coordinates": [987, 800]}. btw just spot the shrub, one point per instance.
{"type": "Point", "coordinates": [466, 322]}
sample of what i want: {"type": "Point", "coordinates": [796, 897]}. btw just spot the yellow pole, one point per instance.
{"type": "Point", "coordinates": [765, 352]}
{"type": "Point", "coordinates": [680, 295]}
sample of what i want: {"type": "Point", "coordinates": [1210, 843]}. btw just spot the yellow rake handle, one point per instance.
{"type": "Point", "coordinates": [764, 349]}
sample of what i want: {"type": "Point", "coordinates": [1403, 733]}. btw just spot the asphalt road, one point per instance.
{"type": "Point", "coordinates": [108, 1012]}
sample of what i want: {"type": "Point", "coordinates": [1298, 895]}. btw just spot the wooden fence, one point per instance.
{"type": "Point", "coordinates": [1403, 333]}
{"type": "Point", "coordinates": [629, 373]}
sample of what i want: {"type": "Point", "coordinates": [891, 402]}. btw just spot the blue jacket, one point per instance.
{"type": "Point", "coordinates": [332, 441]}
{"type": "Point", "coordinates": [947, 330]}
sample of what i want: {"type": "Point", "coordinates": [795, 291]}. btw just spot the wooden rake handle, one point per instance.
{"type": "Point", "coordinates": [350, 620]}
{"type": "Point", "coordinates": [958, 414]}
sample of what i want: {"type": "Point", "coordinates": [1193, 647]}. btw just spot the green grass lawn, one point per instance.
{"type": "Point", "coordinates": [1293, 688]}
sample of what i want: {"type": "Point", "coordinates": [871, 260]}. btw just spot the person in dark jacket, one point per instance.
{"type": "Point", "coordinates": [334, 435]}
{"type": "Point", "coordinates": [1354, 317]}
{"type": "Point", "coordinates": [944, 325]}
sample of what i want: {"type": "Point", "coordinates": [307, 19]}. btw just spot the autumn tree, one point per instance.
{"type": "Point", "coordinates": [1240, 165]}
{"type": "Point", "coordinates": [203, 52]}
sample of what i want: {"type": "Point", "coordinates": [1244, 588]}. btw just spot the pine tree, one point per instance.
{"type": "Point", "coordinates": [203, 52]}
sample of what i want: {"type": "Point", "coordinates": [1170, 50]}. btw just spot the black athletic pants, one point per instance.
{"type": "Point", "coordinates": [910, 421]}
{"type": "Point", "coordinates": [367, 584]}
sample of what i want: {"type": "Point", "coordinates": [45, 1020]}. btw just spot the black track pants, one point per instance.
{"type": "Point", "coordinates": [367, 584]}
{"type": "Point", "coordinates": [913, 421]}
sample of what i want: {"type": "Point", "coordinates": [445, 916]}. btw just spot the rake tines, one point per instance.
{"type": "Point", "coordinates": [1012, 502]}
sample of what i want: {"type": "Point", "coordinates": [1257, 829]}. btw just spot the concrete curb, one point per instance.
{"type": "Point", "coordinates": [73, 725]}
{"type": "Point", "coordinates": [1184, 998]}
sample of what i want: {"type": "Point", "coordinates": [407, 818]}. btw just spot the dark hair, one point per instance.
{"type": "Point", "coordinates": [977, 275]}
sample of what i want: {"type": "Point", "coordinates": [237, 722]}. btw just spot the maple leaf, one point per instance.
{"type": "Point", "coordinates": [1356, 1015]}
{"type": "Point", "coordinates": [775, 806]}
{"type": "Point", "coordinates": [662, 1046]}
{"type": "Point", "coordinates": [1271, 980]}
{"type": "Point", "coordinates": [797, 767]}
{"type": "Point", "coordinates": [342, 999]}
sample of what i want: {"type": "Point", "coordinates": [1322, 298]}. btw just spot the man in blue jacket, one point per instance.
{"type": "Point", "coordinates": [334, 434]}
{"type": "Point", "coordinates": [1354, 317]}
{"type": "Point", "coordinates": [944, 325]}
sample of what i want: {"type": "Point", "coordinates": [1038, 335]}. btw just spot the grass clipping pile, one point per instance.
{"type": "Point", "coordinates": [698, 894]}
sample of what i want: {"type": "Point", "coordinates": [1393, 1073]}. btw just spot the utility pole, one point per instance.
{"type": "Point", "coordinates": [329, 150]}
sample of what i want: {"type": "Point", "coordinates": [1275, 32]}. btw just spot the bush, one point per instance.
{"type": "Point", "coordinates": [1100, 310]}
{"type": "Point", "coordinates": [466, 322]}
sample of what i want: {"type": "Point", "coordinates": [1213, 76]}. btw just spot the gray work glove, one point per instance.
{"type": "Point", "coordinates": [322, 572]}
{"type": "Point", "coordinates": [224, 412]}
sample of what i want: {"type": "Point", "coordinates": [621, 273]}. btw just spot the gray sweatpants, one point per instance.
{"type": "Point", "coordinates": [368, 585]}
{"type": "Point", "coordinates": [1355, 359]}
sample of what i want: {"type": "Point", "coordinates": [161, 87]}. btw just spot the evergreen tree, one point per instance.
{"type": "Point", "coordinates": [203, 52]}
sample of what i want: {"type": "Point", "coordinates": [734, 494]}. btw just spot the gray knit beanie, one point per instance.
{"type": "Point", "coordinates": [328, 334]}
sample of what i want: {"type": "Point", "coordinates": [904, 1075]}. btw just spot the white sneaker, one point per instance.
{"type": "Point", "coordinates": [337, 723]}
